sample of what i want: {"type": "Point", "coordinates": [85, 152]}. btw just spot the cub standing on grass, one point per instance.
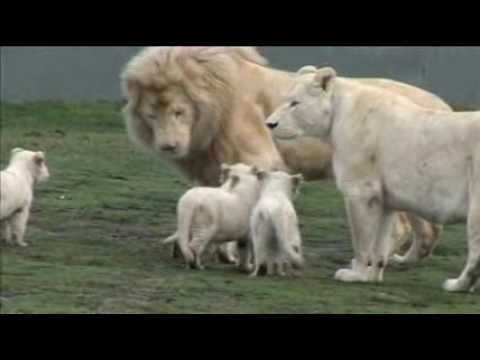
{"type": "Point", "coordinates": [211, 216]}
{"type": "Point", "coordinates": [26, 168]}
{"type": "Point", "coordinates": [274, 225]}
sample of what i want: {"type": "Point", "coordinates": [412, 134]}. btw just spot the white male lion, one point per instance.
{"type": "Point", "coordinates": [370, 130]}
{"type": "Point", "coordinates": [17, 181]}
{"type": "Point", "coordinates": [275, 236]}
{"type": "Point", "coordinates": [199, 107]}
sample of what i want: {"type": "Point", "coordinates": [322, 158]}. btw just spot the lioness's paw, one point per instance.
{"type": "Point", "coordinates": [349, 275]}
{"type": "Point", "coordinates": [454, 285]}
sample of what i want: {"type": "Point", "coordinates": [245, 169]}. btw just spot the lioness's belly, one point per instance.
{"type": "Point", "coordinates": [435, 191]}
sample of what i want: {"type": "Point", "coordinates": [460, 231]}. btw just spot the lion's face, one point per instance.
{"type": "Point", "coordinates": [170, 116]}
{"type": "Point", "coordinates": [307, 108]}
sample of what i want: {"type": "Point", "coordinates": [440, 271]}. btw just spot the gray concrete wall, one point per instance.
{"type": "Point", "coordinates": [92, 73]}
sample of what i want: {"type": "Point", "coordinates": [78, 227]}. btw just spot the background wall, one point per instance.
{"type": "Point", "coordinates": [47, 73]}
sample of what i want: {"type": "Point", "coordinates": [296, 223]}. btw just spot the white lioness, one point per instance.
{"type": "Point", "coordinates": [26, 168]}
{"type": "Point", "coordinates": [370, 131]}
{"type": "Point", "coordinates": [276, 240]}
{"type": "Point", "coordinates": [208, 216]}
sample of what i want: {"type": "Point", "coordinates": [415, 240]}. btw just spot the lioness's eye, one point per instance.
{"type": "Point", "coordinates": [294, 103]}
{"type": "Point", "coordinates": [178, 113]}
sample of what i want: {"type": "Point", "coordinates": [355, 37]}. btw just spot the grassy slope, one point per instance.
{"type": "Point", "coordinates": [95, 227]}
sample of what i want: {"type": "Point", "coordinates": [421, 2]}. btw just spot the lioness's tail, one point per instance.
{"type": "Point", "coordinates": [185, 214]}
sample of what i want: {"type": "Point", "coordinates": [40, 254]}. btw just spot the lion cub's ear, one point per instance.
{"type": "Point", "coordinates": [306, 70]}
{"type": "Point", "coordinates": [224, 171]}
{"type": "Point", "coordinates": [325, 78]}
{"type": "Point", "coordinates": [259, 173]}
{"type": "Point", "coordinates": [234, 181]}
{"type": "Point", "coordinates": [39, 158]}
{"type": "Point", "coordinates": [15, 150]}
{"type": "Point", "coordinates": [297, 180]}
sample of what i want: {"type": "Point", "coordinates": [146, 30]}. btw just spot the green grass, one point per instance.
{"type": "Point", "coordinates": [96, 225]}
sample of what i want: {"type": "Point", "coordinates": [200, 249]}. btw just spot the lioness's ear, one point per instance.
{"type": "Point", "coordinates": [325, 78]}
{"type": "Point", "coordinates": [306, 70]}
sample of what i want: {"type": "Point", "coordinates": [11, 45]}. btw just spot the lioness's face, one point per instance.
{"type": "Point", "coordinates": [170, 115]}
{"type": "Point", "coordinates": [306, 109]}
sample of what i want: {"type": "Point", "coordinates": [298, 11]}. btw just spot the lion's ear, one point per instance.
{"type": "Point", "coordinates": [131, 89]}
{"type": "Point", "coordinates": [325, 78]}
{"type": "Point", "coordinates": [309, 69]}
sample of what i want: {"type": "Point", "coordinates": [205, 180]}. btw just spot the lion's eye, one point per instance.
{"type": "Point", "coordinates": [178, 113]}
{"type": "Point", "coordinates": [294, 103]}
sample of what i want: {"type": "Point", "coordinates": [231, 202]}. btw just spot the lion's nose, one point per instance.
{"type": "Point", "coordinates": [169, 148]}
{"type": "Point", "coordinates": [272, 125]}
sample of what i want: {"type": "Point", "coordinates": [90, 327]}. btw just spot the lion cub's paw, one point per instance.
{"type": "Point", "coordinates": [349, 275]}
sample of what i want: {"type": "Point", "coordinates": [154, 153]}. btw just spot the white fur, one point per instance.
{"type": "Point", "coordinates": [391, 154]}
{"type": "Point", "coordinates": [17, 181]}
{"type": "Point", "coordinates": [212, 216]}
{"type": "Point", "coordinates": [274, 229]}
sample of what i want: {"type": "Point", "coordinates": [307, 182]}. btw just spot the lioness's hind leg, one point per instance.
{"type": "Point", "coordinates": [471, 273]}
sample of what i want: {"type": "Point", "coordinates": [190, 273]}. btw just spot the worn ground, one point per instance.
{"type": "Point", "coordinates": [96, 225]}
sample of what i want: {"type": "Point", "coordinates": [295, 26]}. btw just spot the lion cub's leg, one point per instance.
{"type": "Point", "coordinates": [365, 214]}
{"type": "Point", "coordinates": [8, 231]}
{"type": "Point", "coordinates": [18, 225]}
{"type": "Point", "coordinates": [244, 248]}
{"type": "Point", "coordinates": [201, 239]}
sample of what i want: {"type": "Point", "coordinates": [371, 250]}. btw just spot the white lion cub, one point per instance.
{"type": "Point", "coordinates": [26, 168]}
{"type": "Point", "coordinates": [211, 216]}
{"type": "Point", "coordinates": [274, 229]}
